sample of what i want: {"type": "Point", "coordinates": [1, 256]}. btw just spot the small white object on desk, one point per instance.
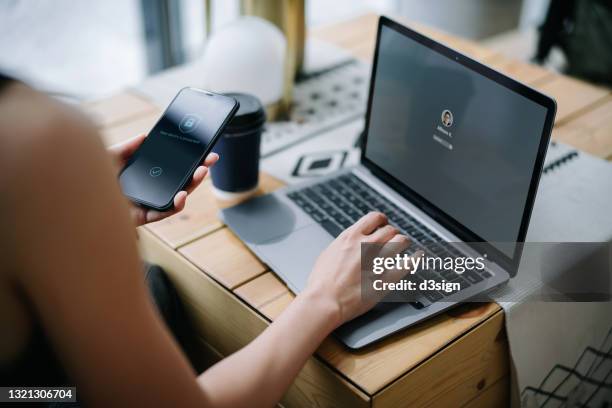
{"type": "Point", "coordinates": [246, 56]}
{"type": "Point", "coordinates": [340, 81]}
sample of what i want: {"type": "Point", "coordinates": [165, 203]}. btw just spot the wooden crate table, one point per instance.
{"type": "Point", "coordinates": [452, 358]}
{"type": "Point", "coordinates": [459, 358]}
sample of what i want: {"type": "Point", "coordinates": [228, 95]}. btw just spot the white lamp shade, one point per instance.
{"type": "Point", "coordinates": [246, 56]}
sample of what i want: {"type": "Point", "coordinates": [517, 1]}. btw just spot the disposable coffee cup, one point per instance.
{"type": "Point", "coordinates": [236, 174]}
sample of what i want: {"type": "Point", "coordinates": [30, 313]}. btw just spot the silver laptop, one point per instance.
{"type": "Point", "coordinates": [452, 152]}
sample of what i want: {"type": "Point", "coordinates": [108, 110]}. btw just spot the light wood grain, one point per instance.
{"type": "Point", "coordinates": [198, 218]}
{"type": "Point", "coordinates": [200, 215]}
{"type": "Point", "coordinates": [274, 308]}
{"type": "Point", "coordinates": [573, 96]}
{"type": "Point", "coordinates": [497, 395]}
{"type": "Point", "coordinates": [227, 324]}
{"type": "Point", "coordinates": [126, 130]}
{"type": "Point", "coordinates": [224, 257]}
{"type": "Point", "coordinates": [376, 366]}
{"type": "Point", "coordinates": [267, 294]}
{"type": "Point", "coordinates": [457, 373]}
{"type": "Point", "coordinates": [208, 303]}
{"type": "Point", "coordinates": [364, 52]}
{"type": "Point", "coordinates": [121, 107]}
{"type": "Point", "coordinates": [463, 45]}
{"type": "Point", "coordinates": [591, 131]}
{"type": "Point", "coordinates": [262, 291]}
{"type": "Point", "coordinates": [358, 36]}
{"type": "Point", "coordinates": [349, 34]}
{"type": "Point", "coordinates": [521, 71]}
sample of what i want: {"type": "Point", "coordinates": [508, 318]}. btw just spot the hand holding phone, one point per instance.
{"type": "Point", "coordinates": [165, 162]}
{"type": "Point", "coordinates": [122, 153]}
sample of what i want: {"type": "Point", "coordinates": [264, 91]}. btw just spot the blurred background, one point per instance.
{"type": "Point", "coordinates": [88, 49]}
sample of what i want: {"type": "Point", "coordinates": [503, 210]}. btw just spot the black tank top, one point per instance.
{"type": "Point", "coordinates": [36, 366]}
{"type": "Point", "coordinates": [4, 80]}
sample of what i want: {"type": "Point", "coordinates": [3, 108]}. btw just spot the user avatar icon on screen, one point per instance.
{"type": "Point", "coordinates": [447, 118]}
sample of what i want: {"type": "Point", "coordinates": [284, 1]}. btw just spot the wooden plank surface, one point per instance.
{"type": "Point", "coordinates": [470, 48]}
{"type": "Point", "coordinates": [262, 291]}
{"type": "Point", "coordinates": [572, 95]}
{"type": "Point", "coordinates": [198, 218]}
{"type": "Point", "coordinates": [118, 108]}
{"type": "Point", "coordinates": [228, 324]}
{"type": "Point", "coordinates": [126, 130]}
{"type": "Point", "coordinates": [224, 257]}
{"type": "Point", "coordinates": [358, 36]}
{"type": "Point", "coordinates": [521, 71]}
{"type": "Point", "coordinates": [497, 395]}
{"type": "Point", "coordinates": [374, 367]}
{"type": "Point", "coordinates": [591, 131]}
{"type": "Point", "coordinates": [457, 373]}
{"type": "Point", "coordinates": [200, 214]}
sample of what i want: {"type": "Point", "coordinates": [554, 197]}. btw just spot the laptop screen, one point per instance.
{"type": "Point", "coordinates": [461, 141]}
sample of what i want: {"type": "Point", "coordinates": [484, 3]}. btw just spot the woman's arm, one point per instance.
{"type": "Point", "coordinates": [260, 373]}
{"type": "Point", "coordinates": [78, 265]}
{"type": "Point", "coordinates": [75, 249]}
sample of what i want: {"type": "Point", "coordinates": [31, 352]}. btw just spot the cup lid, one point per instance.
{"type": "Point", "coordinates": [250, 113]}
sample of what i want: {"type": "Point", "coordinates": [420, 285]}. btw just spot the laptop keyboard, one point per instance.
{"type": "Point", "coordinates": [337, 203]}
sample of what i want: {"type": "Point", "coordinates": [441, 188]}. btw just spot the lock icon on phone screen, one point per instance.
{"type": "Point", "coordinates": [189, 123]}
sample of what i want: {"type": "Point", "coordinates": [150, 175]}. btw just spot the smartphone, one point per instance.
{"type": "Point", "coordinates": [165, 162]}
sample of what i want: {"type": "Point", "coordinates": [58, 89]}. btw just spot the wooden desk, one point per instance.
{"type": "Point", "coordinates": [459, 358]}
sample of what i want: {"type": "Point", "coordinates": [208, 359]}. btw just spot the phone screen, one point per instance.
{"type": "Point", "coordinates": [165, 161]}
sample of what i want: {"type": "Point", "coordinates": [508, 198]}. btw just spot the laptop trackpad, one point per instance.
{"type": "Point", "coordinates": [294, 256]}
{"type": "Point", "coordinates": [260, 219]}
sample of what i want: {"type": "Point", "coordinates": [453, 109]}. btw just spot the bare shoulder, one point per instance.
{"type": "Point", "coordinates": [37, 131]}
{"type": "Point", "coordinates": [50, 156]}
{"type": "Point", "coordinates": [40, 136]}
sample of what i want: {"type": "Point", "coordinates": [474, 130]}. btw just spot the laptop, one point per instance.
{"type": "Point", "coordinates": [452, 152]}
